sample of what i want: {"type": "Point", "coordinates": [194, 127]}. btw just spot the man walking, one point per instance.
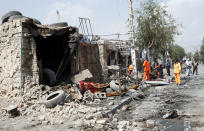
{"type": "Point", "coordinates": [168, 67]}
{"type": "Point", "coordinates": [146, 66]}
{"type": "Point", "coordinates": [188, 67]}
{"type": "Point", "coordinates": [177, 71]}
{"type": "Point", "coordinates": [195, 67]}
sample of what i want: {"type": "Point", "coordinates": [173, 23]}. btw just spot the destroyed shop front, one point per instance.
{"type": "Point", "coordinates": [43, 54]}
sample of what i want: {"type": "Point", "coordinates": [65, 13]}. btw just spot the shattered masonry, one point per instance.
{"type": "Point", "coordinates": [42, 47]}
{"type": "Point", "coordinates": [10, 41]}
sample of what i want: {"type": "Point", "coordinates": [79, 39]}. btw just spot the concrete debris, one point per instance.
{"type": "Point", "coordinates": [123, 125]}
{"type": "Point", "coordinates": [114, 85]}
{"type": "Point", "coordinates": [111, 103]}
{"type": "Point", "coordinates": [45, 122]}
{"type": "Point", "coordinates": [135, 94]}
{"type": "Point", "coordinates": [12, 110]}
{"type": "Point", "coordinates": [113, 67]}
{"type": "Point", "coordinates": [150, 123]}
{"type": "Point", "coordinates": [97, 101]}
{"type": "Point", "coordinates": [109, 90]}
{"type": "Point", "coordinates": [76, 93]}
{"type": "Point", "coordinates": [84, 102]}
{"type": "Point", "coordinates": [89, 117]}
{"type": "Point", "coordinates": [88, 96]}
{"type": "Point", "coordinates": [81, 76]}
{"type": "Point", "coordinates": [41, 118]}
{"type": "Point", "coordinates": [68, 98]}
{"type": "Point", "coordinates": [102, 121]}
{"type": "Point", "coordinates": [125, 108]}
{"type": "Point", "coordinates": [170, 114]}
{"type": "Point", "coordinates": [114, 110]}
{"type": "Point", "coordinates": [99, 95]}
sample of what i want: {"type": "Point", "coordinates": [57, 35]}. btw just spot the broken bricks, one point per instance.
{"type": "Point", "coordinates": [170, 114]}
{"type": "Point", "coordinates": [12, 110]}
{"type": "Point", "coordinates": [100, 95]}
{"type": "Point", "coordinates": [88, 96]}
{"type": "Point", "coordinates": [83, 75]}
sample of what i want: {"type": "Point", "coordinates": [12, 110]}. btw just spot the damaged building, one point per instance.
{"type": "Point", "coordinates": [32, 54]}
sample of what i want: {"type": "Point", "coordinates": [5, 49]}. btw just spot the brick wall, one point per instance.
{"type": "Point", "coordinates": [10, 56]}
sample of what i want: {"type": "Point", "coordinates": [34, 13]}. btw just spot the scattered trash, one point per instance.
{"type": "Point", "coordinates": [157, 83]}
{"type": "Point", "coordinates": [170, 114]}
{"type": "Point", "coordinates": [93, 87]}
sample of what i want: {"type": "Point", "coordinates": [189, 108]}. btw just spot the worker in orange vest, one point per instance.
{"type": "Point", "coordinates": [177, 71]}
{"type": "Point", "coordinates": [130, 69]}
{"type": "Point", "coordinates": [146, 66]}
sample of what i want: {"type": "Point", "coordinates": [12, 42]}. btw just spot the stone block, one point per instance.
{"type": "Point", "coordinates": [100, 95]}
{"type": "Point", "coordinates": [150, 123]}
{"type": "Point", "coordinates": [109, 90]}
{"type": "Point", "coordinates": [83, 75]}
{"type": "Point", "coordinates": [41, 118]}
{"type": "Point", "coordinates": [102, 121]}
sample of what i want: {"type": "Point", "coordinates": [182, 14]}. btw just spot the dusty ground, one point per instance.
{"type": "Point", "coordinates": [187, 100]}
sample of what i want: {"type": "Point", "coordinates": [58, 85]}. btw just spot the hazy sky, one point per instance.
{"type": "Point", "coordinates": [110, 16]}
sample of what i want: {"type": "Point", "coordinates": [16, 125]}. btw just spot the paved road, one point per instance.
{"type": "Point", "coordinates": [193, 109]}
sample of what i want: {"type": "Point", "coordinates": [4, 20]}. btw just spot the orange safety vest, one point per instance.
{"type": "Point", "coordinates": [177, 68]}
{"type": "Point", "coordinates": [130, 67]}
{"type": "Point", "coordinates": [146, 65]}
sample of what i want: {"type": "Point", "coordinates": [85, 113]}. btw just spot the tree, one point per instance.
{"type": "Point", "coordinates": [196, 56]}
{"type": "Point", "coordinates": [176, 52]}
{"type": "Point", "coordinates": [155, 28]}
{"type": "Point", "coordinates": [189, 55]}
{"type": "Point", "coordinates": [202, 51]}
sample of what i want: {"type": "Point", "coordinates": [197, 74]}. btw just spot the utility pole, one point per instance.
{"type": "Point", "coordinates": [131, 26]}
{"type": "Point", "coordinates": [118, 36]}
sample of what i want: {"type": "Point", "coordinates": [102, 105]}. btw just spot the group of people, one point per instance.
{"type": "Point", "coordinates": [185, 65]}
{"type": "Point", "coordinates": [156, 70]}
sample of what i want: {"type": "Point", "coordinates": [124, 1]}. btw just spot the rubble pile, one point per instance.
{"type": "Point", "coordinates": [77, 107]}
{"type": "Point", "coordinates": [83, 109]}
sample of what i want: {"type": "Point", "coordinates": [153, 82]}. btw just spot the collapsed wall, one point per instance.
{"type": "Point", "coordinates": [88, 58]}
{"type": "Point", "coordinates": [18, 56]}
{"type": "Point", "coordinates": [27, 48]}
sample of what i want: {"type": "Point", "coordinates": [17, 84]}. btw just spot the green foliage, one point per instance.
{"type": "Point", "coordinates": [202, 51]}
{"type": "Point", "coordinates": [196, 56]}
{"type": "Point", "coordinates": [176, 52]}
{"type": "Point", "coordinates": [189, 55]}
{"type": "Point", "coordinates": [155, 27]}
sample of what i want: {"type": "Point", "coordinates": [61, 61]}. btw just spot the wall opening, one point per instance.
{"type": "Point", "coordinates": [50, 52]}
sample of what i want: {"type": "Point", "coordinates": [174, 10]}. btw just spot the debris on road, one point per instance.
{"type": "Point", "coordinates": [12, 111]}
{"type": "Point", "coordinates": [170, 114]}
{"type": "Point", "coordinates": [67, 78]}
{"type": "Point", "coordinates": [82, 76]}
{"type": "Point", "coordinates": [54, 98]}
